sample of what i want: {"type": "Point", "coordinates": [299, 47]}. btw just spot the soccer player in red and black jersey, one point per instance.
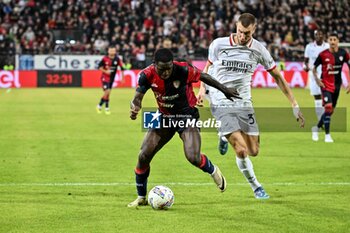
{"type": "Point", "coordinates": [109, 67]}
{"type": "Point", "coordinates": [332, 61]}
{"type": "Point", "coordinates": [171, 82]}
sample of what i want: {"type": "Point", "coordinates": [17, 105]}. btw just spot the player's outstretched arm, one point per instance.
{"type": "Point", "coordinates": [228, 92]}
{"type": "Point", "coordinates": [281, 82]}
{"type": "Point", "coordinates": [135, 105]}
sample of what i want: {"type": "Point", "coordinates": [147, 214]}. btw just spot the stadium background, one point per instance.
{"type": "Point", "coordinates": [63, 168]}
{"type": "Point", "coordinates": [44, 35]}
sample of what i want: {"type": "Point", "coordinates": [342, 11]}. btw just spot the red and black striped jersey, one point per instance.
{"type": "Point", "coordinates": [110, 64]}
{"type": "Point", "coordinates": [332, 64]}
{"type": "Point", "coordinates": [174, 95]}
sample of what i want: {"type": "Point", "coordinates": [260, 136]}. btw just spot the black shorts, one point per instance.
{"type": "Point", "coordinates": [107, 85]}
{"type": "Point", "coordinates": [330, 98]}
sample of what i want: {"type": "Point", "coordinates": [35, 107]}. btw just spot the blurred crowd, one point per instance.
{"type": "Point", "coordinates": [138, 27]}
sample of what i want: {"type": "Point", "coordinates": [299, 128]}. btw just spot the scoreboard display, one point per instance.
{"type": "Point", "coordinates": [47, 78]}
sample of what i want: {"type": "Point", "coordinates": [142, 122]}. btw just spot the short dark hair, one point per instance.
{"type": "Point", "coordinates": [163, 55]}
{"type": "Point", "coordinates": [334, 33]}
{"type": "Point", "coordinates": [247, 19]}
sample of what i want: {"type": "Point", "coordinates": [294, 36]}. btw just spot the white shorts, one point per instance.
{"type": "Point", "coordinates": [314, 88]}
{"type": "Point", "coordinates": [236, 119]}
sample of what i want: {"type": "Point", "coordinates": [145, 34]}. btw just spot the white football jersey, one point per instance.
{"type": "Point", "coordinates": [312, 50]}
{"type": "Point", "coordinates": [234, 65]}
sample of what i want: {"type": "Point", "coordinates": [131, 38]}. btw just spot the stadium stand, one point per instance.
{"type": "Point", "coordinates": [139, 27]}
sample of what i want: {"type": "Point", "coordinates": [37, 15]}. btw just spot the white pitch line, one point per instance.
{"type": "Point", "coordinates": [174, 184]}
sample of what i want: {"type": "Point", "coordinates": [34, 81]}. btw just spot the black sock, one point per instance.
{"type": "Point", "coordinates": [107, 103]}
{"type": "Point", "coordinates": [327, 122]}
{"type": "Point", "coordinates": [206, 164]}
{"type": "Point", "coordinates": [101, 102]}
{"type": "Point", "coordinates": [320, 122]}
{"type": "Point", "coordinates": [141, 182]}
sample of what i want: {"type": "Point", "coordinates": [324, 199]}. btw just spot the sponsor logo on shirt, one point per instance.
{"type": "Point", "coordinates": [170, 97]}
{"type": "Point", "coordinates": [224, 52]}
{"type": "Point", "coordinates": [237, 66]}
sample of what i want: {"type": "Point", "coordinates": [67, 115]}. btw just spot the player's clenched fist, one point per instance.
{"type": "Point", "coordinates": [134, 110]}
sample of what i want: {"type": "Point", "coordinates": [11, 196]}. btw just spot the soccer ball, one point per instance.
{"type": "Point", "coordinates": [161, 197]}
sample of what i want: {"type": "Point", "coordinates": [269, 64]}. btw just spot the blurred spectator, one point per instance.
{"type": "Point", "coordinates": [28, 35]}
{"type": "Point", "coordinates": [149, 53]}
{"type": "Point", "coordinates": [127, 64]}
{"type": "Point", "coordinates": [140, 55]}
{"type": "Point", "coordinates": [167, 43]}
{"type": "Point", "coordinates": [100, 45]}
{"type": "Point", "coordinates": [148, 23]}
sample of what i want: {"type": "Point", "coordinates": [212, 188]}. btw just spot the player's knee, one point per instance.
{"type": "Point", "coordinates": [254, 151]}
{"type": "Point", "coordinates": [241, 151]}
{"type": "Point", "coordinates": [328, 108]}
{"type": "Point", "coordinates": [144, 157]}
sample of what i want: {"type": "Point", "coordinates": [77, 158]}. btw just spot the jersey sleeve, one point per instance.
{"type": "Point", "coordinates": [318, 61]}
{"type": "Point", "coordinates": [143, 84]}
{"type": "Point", "coordinates": [193, 74]}
{"type": "Point", "coordinates": [266, 59]}
{"type": "Point", "coordinates": [212, 52]}
{"type": "Point", "coordinates": [101, 64]}
{"type": "Point", "coordinates": [307, 51]}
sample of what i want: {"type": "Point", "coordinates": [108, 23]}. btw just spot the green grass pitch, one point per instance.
{"type": "Point", "coordinates": [64, 168]}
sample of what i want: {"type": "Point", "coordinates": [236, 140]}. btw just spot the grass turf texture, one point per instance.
{"type": "Point", "coordinates": [64, 168]}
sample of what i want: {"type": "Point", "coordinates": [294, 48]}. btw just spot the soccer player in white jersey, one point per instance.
{"type": "Point", "coordinates": [234, 59]}
{"type": "Point", "coordinates": [312, 50]}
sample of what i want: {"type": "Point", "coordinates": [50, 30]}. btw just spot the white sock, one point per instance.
{"type": "Point", "coordinates": [246, 167]}
{"type": "Point", "coordinates": [214, 170]}
{"type": "Point", "coordinates": [319, 109]}
{"type": "Point", "coordinates": [224, 138]}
